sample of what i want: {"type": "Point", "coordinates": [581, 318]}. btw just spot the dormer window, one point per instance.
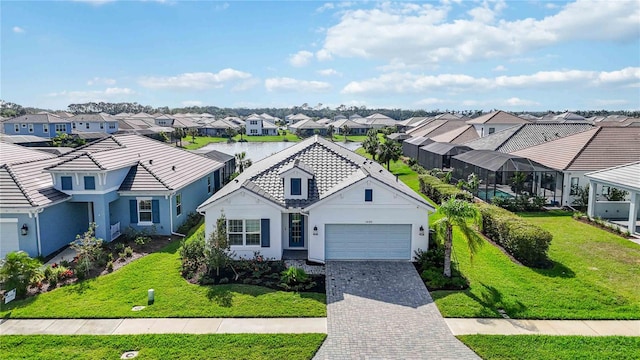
{"type": "Point", "coordinates": [368, 195]}
{"type": "Point", "coordinates": [67, 184]}
{"type": "Point", "coordinates": [296, 186]}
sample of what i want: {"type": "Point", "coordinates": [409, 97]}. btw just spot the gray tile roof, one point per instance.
{"type": "Point", "coordinates": [171, 166]}
{"type": "Point", "coordinates": [100, 117]}
{"type": "Point", "coordinates": [307, 124]}
{"type": "Point", "coordinates": [214, 154]}
{"type": "Point", "coordinates": [334, 167]}
{"type": "Point", "coordinates": [22, 139]}
{"type": "Point", "coordinates": [498, 117]}
{"type": "Point", "coordinates": [526, 135]}
{"type": "Point", "coordinates": [41, 118]}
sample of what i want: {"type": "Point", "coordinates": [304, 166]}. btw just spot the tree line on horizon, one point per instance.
{"type": "Point", "coordinates": [9, 109]}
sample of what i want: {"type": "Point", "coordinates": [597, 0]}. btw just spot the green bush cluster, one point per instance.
{"type": "Point", "coordinates": [439, 191]}
{"type": "Point", "coordinates": [193, 219]}
{"type": "Point", "coordinates": [520, 204]}
{"type": "Point", "coordinates": [430, 265]}
{"type": "Point", "coordinates": [524, 241]}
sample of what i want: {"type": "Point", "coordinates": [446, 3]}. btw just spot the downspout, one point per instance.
{"type": "Point", "coordinates": [38, 230]}
{"type": "Point", "coordinates": [171, 218]}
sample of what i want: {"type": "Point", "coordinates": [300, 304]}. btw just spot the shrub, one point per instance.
{"type": "Point", "coordinates": [193, 219]}
{"type": "Point", "coordinates": [439, 191]}
{"type": "Point", "coordinates": [83, 267]}
{"type": "Point", "coordinates": [128, 251]}
{"type": "Point", "coordinates": [295, 279]}
{"type": "Point", "coordinates": [524, 241]}
{"type": "Point", "coordinates": [89, 250]}
{"type": "Point", "coordinates": [19, 271]}
{"type": "Point", "coordinates": [520, 204]}
{"type": "Point", "coordinates": [110, 266]}
{"type": "Point", "coordinates": [192, 254]}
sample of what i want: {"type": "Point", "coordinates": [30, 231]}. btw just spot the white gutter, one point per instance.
{"type": "Point", "coordinates": [38, 230]}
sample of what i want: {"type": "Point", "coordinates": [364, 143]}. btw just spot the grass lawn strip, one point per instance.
{"type": "Point", "coordinates": [113, 296]}
{"type": "Point", "coordinates": [206, 140]}
{"type": "Point", "coordinates": [535, 347]}
{"type": "Point", "coordinates": [165, 346]}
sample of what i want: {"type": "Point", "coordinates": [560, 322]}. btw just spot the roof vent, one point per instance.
{"type": "Point", "coordinates": [151, 162]}
{"type": "Point", "coordinates": [173, 168]}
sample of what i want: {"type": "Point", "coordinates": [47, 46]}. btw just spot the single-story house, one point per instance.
{"type": "Point", "coordinates": [354, 127]}
{"type": "Point", "coordinates": [324, 201]}
{"type": "Point", "coordinates": [308, 127]}
{"type": "Point", "coordinates": [115, 182]}
{"type": "Point", "coordinates": [495, 121]}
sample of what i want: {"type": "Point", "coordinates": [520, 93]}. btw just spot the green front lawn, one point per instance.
{"type": "Point", "coordinates": [594, 277]}
{"type": "Point", "coordinates": [163, 346]}
{"type": "Point", "coordinates": [524, 347]}
{"type": "Point", "coordinates": [113, 296]}
{"type": "Point", "coordinates": [206, 140]}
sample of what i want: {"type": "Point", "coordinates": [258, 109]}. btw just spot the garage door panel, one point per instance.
{"type": "Point", "coordinates": [368, 241]}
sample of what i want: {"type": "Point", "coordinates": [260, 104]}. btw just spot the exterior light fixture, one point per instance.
{"type": "Point", "coordinates": [315, 230]}
{"type": "Point", "coordinates": [421, 230]}
{"type": "Point", "coordinates": [24, 230]}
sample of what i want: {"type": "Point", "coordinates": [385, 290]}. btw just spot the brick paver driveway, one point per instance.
{"type": "Point", "coordinates": [382, 310]}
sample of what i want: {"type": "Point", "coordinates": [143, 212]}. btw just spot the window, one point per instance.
{"type": "Point", "coordinates": [101, 125]}
{"type": "Point", "coordinates": [73, 126]}
{"type": "Point", "coordinates": [254, 131]}
{"type": "Point", "coordinates": [66, 183]}
{"type": "Point", "coordinates": [178, 204]}
{"type": "Point", "coordinates": [30, 128]}
{"type": "Point", "coordinates": [162, 122]}
{"type": "Point", "coordinates": [244, 232]}
{"type": "Point", "coordinates": [492, 130]}
{"type": "Point", "coordinates": [16, 127]}
{"type": "Point", "coordinates": [45, 128]}
{"type": "Point", "coordinates": [368, 195]}
{"type": "Point", "coordinates": [89, 183]}
{"type": "Point", "coordinates": [209, 184]}
{"type": "Point", "coordinates": [144, 211]}
{"type": "Point", "coordinates": [24, 125]}
{"type": "Point", "coordinates": [87, 126]}
{"type": "Point", "coordinates": [296, 186]}
{"type": "Point", "coordinates": [253, 122]}
{"type": "Point", "coordinates": [112, 125]}
{"type": "Point", "coordinates": [234, 232]}
{"type": "Point", "coordinates": [61, 128]}
{"type": "Point", "coordinates": [574, 186]}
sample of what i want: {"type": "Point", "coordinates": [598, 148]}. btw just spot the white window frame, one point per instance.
{"type": "Point", "coordinates": [209, 184]}
{"type": "Point", "coordinates": [45, 128]}
{"type": "Point", "coordinates": [73, 125]}
{"type": "Point", "coordinates": [178, 204]}
{"type": "Point", "coordinates": [61, 126]}
{"type": "Point", "coordinates": [101, 125]}
{"type": "Point", "coordinates": [244, 232]}
{"type": "Point", "coordinates": [573, 188]}
{"type": "Point", "coordinates": [140, 211]}
{"type": "Point", "coordinates": [31, 128]}
{"type": "Point", "coordinates": [87, 125]}
{"type": "Point", "coordinates": [112, 125]}
{"type": "Point", "coordinates": [16, 127]}
{"type": "Point", "coordinates": [253, 131]}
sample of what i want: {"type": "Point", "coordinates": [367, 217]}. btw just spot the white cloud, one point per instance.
{"type": "Point", "coordinates": [191, 103]}
{"type": "Point", "coordinates": [329, 72]}
{"type": "Point", "coordinates": [285, 84]}
{"type": "Point", "coordinates": [324, 55]}
{"type": "Point", "coordinates": [515, 102]}
{"type": "Point", "coordinates": [100, 80]}
{"type": "Point", "coordinates": [221, 7]}
{"type": "Point", "coordinates": [499, 68]}
{"type": "Point", "coordinates": [18, 30]}
{"type": "Point", "coordinates": [199, 80]}
{"type": "Point", "coordinates": [397, 82]}
{"type": "Point", "coordinates": [108, 94]}
{"type": "Point", "coordinates": [423, 34]}
{"type": "Point", "coordinates": [608, 102]}
{"type": "Point", "coordinates": [325, 6]}
{"type": "Point", "coordinates": [301, 58]}
{"type": "Point", "coordinates": [430, 101]}
{"type": "Point", "coordinates": [245, 84]}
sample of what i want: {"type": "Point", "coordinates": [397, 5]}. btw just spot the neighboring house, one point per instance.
{"type": "Point", "coordinates": [115, 182]}
{"type": "Point", "coordinates": [218, 128]}
{"type": "Point", "coordinates": [97, 123]}
{"type": "Point", "coordinates": [323, 200]}
{"type": "Point", "coordinates": [292, 119]}
{"type": "Point", "coordinates": [354, 127]}
{"type": "Point", "coordinates": [436, 127]}
{"type": "Point", "coordinates": [459, 135]}
{"type": "Point", "coordinates": [308, 128]}
{"type": "Point", "coordinates": [255, 125]}
{"type": "Point", "coordinates": [377, 121]}
{"type": "Point", "coordinates": [26, 140]}
{"type": "Point", "coordinates": [410, 147]}
{"type": "Point", "coordinates": [624, 177]}
{"type": "Point", "coordinates": [437, 155]}
{"type": "Point", "coordinates": [574, 156]}
{"type": "Point", "coordinates": [495, 121]}
{"type": "Point", "coordinates": [44, 125]}
{"type": "Point", "coordinates": [229, 162]}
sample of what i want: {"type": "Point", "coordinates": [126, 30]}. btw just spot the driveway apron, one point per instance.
{"type": "Point", "coordinates": [382, 310]}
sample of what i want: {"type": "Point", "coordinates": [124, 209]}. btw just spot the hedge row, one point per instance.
{"type": "Point", "coordinates": [524, 241]}
{"type": "Point", "coordinates": [439, 191]}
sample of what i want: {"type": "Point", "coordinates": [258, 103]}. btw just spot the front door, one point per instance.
{"type": "Point", "coordinates": [296, 230]}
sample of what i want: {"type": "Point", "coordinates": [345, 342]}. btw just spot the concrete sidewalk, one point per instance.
{"type": "Point", "coordinates": [162, 326]}
{"type": "Point", "coordinates": [544, 327]}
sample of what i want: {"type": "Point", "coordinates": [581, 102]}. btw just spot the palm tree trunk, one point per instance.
{"type": "Point", "coordinates": [447, 252]}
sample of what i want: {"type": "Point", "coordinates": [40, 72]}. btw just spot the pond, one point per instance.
{"type": "Point", "coordinates": [260, 150]}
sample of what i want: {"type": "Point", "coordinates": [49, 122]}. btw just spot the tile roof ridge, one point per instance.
{"type": "Point", "coordinates": [595, 133]}
{"type": "Point", "coordinates": [140, 163]}
{"type": "Point", "coordinates": [30, 161]}
{"type": "Point", "coordinates": [19, 184]}
{"type": "Point", "coordinates": [520, 127]}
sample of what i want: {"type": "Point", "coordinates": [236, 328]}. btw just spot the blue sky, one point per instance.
{"type": "Point", "coordinates": [518, 56]}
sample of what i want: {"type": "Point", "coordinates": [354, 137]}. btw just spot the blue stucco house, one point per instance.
{"type": "Point", "coordinates": [115, 182]}
{"type": "Point", "coordinates": [44, 124]}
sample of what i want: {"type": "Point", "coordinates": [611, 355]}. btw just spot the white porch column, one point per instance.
{"type": "Point", "coordinates": [633, 210]}
{"type": "Point", "coordinates": [591, 206]}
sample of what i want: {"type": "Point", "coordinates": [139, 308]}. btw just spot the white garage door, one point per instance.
{"type": "Point", "coordinates": [8, 236]}
{"type": "Point", "coordinates": [362, 242]}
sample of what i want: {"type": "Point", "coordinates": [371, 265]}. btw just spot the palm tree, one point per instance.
{"type": "Point", "coordinates": [242, 162]}
{"type": "Point", "coordinates": [345, 131]}
{"type": "Point", "coordinates": [330, 131]}
{"type": "Point", "coordinates": [371, 144]}
{"type": "Point", "coordinates": [517, 181]}
{"type": "Point", "coordinates": [242, 130]}
{"type": "Point", "coordinates": [389, 151]}
{"type": "Point", "coordinates": [230, 132]}
{"type": "Point", "coordinates": [456, 212]}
